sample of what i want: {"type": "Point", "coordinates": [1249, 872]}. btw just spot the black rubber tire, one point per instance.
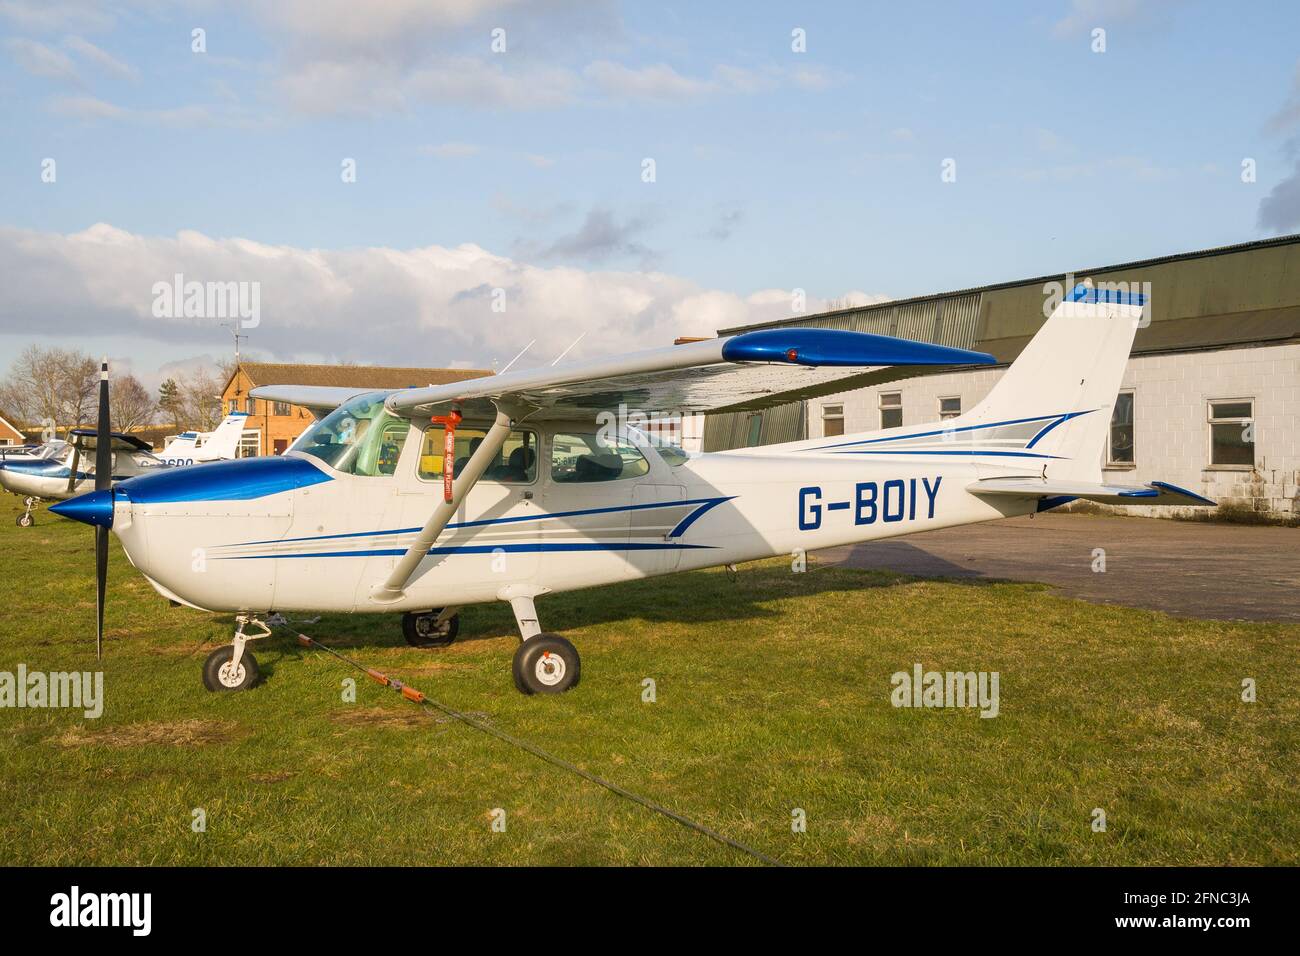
{"type": "Point", "coordinates": [26, 520]}
{"type": "Point", "coordinates": [531, 658]}
{"type": "Point", "coordinates": [417, 629]}
{"type": "Point", "coordinates": [222, 655]}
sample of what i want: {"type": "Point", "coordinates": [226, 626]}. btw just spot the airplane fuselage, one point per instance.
{"type": "Point", "coordinates": [292, 534]}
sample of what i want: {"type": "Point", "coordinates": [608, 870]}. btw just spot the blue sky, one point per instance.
{"type": "Point", "coordinates": [775, 169]}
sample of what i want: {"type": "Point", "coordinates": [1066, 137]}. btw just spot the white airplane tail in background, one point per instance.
{"type": "Point", "coordinates": [223, 441]}
{"type": "Point", "coordinates": [1052, 407]}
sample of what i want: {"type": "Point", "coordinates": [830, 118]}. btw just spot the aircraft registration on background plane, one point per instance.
{"type": "Point", "coordinates": [423, 501]}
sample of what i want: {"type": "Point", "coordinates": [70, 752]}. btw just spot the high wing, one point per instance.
{"type": "Point", "coordinates": [85, 440]}
{"type": "Point", "coordinates": [319, 399]}
{"type": "Point", "coordinates": [1154, 493]}
{"type": "Point", "coordinates": [752, 370]}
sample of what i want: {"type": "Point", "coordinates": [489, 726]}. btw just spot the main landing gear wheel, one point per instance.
{"type": "Point", "coordinates": [546, 664]}
{"type": "Point", "coordinates": [424, 630]}
{"type": "Point", "coordinates": [219, 675]}
{"type": "Point", "coordinates": [26, 520]}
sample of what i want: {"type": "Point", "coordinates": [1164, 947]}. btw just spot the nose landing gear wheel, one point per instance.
{"type": "Point", "coordinates": [26, 521]}
{"type": "Point", "coordinates": [423, 630]}
{"type": "Point", "coordinates": [218, 675]}
{"type": "Point", "coordinates": [546, 664]}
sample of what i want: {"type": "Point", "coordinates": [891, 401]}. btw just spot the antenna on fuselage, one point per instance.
{"type": "Point", "coordinates": [569, 349]}
{"type": "Point", "coordinates": [517, 357]}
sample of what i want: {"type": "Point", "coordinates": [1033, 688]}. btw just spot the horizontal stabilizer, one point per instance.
{"type": "Point", "coordinates": [1154, 493]}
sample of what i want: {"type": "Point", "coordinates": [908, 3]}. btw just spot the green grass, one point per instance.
{"type": "Point", "coordinates": [773, 693]}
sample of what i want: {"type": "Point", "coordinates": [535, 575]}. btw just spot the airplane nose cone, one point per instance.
{"type": "Point", "coordinates": [95, 508]}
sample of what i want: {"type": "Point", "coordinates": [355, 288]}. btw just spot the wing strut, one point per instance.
{"type": "Point", "coordinates": [391, 590]}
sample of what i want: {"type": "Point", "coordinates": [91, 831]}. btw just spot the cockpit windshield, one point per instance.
{"type": "Point", "coordinates": [359, 437]}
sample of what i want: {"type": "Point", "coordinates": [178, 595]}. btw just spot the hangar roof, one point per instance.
{"type": "Point", "coordinates": [1212, 298]}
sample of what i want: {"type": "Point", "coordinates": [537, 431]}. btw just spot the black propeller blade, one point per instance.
{"type": "Point", "coordinates": [103, 480]}
{"type": "Point", "coordinates": [76, 463]}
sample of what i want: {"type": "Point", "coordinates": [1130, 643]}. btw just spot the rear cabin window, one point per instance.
{"type": "Point", "coordinates": [516, 463]}
{"type": "Point", "coordinates": [586, 458]}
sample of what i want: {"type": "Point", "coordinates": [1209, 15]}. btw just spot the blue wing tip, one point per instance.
{"type": "Point", "coordinates": [1166, 486]}
{"type": "Point", "coordinates": [842, 347]}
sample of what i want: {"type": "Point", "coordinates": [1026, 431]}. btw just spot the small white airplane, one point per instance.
{"type": "Point", "coordinates": [62, 473]}
{"type": "Point", "coordinates": [427, 500]}
{"type": "Point", "coordinates": [222, 443]}
{"type": "Point", "coordinates": [29, 452]}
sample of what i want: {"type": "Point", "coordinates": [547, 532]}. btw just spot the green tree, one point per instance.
{"type": "Point", "coordinates": [169, 399]}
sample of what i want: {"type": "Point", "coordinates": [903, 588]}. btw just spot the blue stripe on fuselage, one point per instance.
{"type": "Point", "coordinates": [240, 480]}
{"type": "Point", "coordinates": [705, 504]}
{"type": "Point", "coordinates": [544, 547]}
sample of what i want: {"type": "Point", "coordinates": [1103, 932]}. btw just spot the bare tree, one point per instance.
{"type": "Point", "coordinates": [51, 387]}
{"type": "Point", "coordinates": [80, 374]}
{"type": "Point", "coordinates": [131, 403]}
{"type": "Point", "coordinates": [199, 399]}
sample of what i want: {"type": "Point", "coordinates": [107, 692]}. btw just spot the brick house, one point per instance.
{"type": "Point", "coordinates": [273, 426]}
{"type": "Point", "coordinates": [10, 434]}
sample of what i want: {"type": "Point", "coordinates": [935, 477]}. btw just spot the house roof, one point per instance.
{"type": "Point", "coordinates": [353, 376]}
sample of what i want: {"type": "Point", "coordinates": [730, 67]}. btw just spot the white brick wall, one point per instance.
{"type": "Point", "coordinates": [1170, 411]}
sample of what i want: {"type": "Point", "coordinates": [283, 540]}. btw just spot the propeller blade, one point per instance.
{"type": "Point", "coordinates": [101, 585]}
{"type": "Point", "coordinates": [103, 480]}
{"type": "Point", "coordinates": [72, 470]}
{"type": "Point", "coordinates": [103, 435]}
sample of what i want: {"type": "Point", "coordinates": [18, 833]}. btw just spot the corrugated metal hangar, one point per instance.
{"type": "Point", "coordinates": [1210, 399]}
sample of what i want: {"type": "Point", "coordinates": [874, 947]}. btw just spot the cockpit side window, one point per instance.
{"type": "Point", "coordinates": [358, 438]}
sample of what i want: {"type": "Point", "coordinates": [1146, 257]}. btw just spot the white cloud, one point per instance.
{"type": "Point", "coordinates": [366, 86]}
{"type": "Point", "coordinates": [816, 80]}
{"type": "Point", "coordinates": [1085, 15]}
{"type": "Point", "coordinates": [662, 82]}
{"type": "Point", "coordinates": [40, 60]}
{"type": "Point", "coordinates": [57, 14]}
{"type": "Point", "coordinates": [348, 26]}
{"type": "Point", "coordinates": [430, 305]}
{"type": "Point", "coordinates": [100, 58]}
{"type": "Point", "coordinates": [1289, 115]}
{"type": "Point", "coordinates": [657, 82]}
{"type": "Point", "coordinates": [86, 108]}
{"type": "Point", "coordinates": [92, 108]}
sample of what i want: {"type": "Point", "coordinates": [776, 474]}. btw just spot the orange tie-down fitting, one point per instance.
{"type": "Point", "coordinates": [449, 423]}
